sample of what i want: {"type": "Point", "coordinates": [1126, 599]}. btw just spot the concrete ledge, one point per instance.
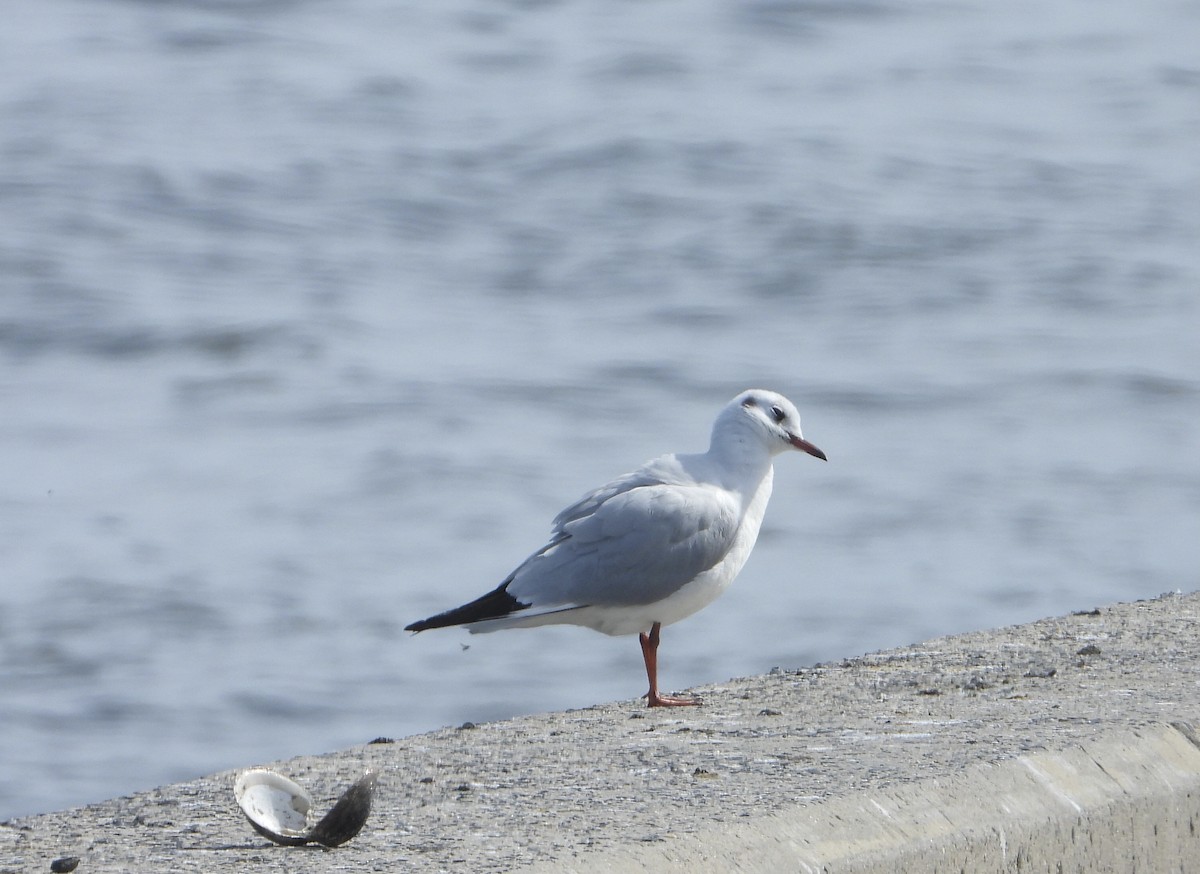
{"type": "Point", "coordinates": [1124, 804]}
{"type": "Point", "coordinates": [1062, 745]}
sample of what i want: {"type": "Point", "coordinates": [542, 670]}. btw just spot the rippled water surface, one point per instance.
{"type": "Point", "coordinates": [312, 316]}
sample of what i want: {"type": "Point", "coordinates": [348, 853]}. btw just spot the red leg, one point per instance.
{"type": "Point", "coordinates": [650, 654]}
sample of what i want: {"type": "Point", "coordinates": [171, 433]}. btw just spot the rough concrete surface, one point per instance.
{"type": "Point", "coordinates": [1062, 745]}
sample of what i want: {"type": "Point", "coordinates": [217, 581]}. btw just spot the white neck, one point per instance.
{"type": "Point", "coordinates": [738, 454]}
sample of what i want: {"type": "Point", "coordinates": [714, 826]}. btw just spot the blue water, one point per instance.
{"type": "Point", "coordinates": [312, 316]}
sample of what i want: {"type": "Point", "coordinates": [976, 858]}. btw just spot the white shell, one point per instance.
{"type": "Point", "coordinates": [273, 802]}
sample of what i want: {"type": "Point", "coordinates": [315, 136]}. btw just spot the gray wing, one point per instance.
{"type": "Point", "coordinates": [634, 541]}
{"type": "Point", "coordinates": [588, 504]}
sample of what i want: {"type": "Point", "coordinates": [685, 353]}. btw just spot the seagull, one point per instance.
{"type": "Point", "coordinates": [653, 546]}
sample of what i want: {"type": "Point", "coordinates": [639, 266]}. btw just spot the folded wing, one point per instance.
{"type": "Point", "coordinates": [635, 541]}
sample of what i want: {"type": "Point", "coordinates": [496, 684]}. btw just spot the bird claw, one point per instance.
{"type": "Point", "coordinates": [656, 700]}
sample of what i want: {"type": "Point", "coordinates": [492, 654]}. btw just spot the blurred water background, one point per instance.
{"type": "Point", "coordinates": [313, 315]}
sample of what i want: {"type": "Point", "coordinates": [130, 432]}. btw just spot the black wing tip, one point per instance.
{"type": "Point", "coordinates": [496, 604]}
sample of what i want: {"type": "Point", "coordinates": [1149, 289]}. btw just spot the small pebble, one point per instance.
{"type": "Point", "coordinates": [1041, 674]}
{"type": "Point", "coordinates": [65, 864]}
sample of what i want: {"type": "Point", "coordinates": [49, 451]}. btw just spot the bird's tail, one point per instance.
{"type": "Point", "coordinates": [496, 604]}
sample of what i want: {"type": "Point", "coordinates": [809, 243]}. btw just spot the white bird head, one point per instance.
{"type": "Point", "coordinates": [769, 416]}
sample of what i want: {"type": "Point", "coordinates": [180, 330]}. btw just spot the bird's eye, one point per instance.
{"type": "Point", "coordinates": [778, 414]}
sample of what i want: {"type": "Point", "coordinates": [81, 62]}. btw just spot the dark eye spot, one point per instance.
{"type": "Point", "coordinates": [777, 414]}
{"type": "Point", "coordinates": [750, 402]}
